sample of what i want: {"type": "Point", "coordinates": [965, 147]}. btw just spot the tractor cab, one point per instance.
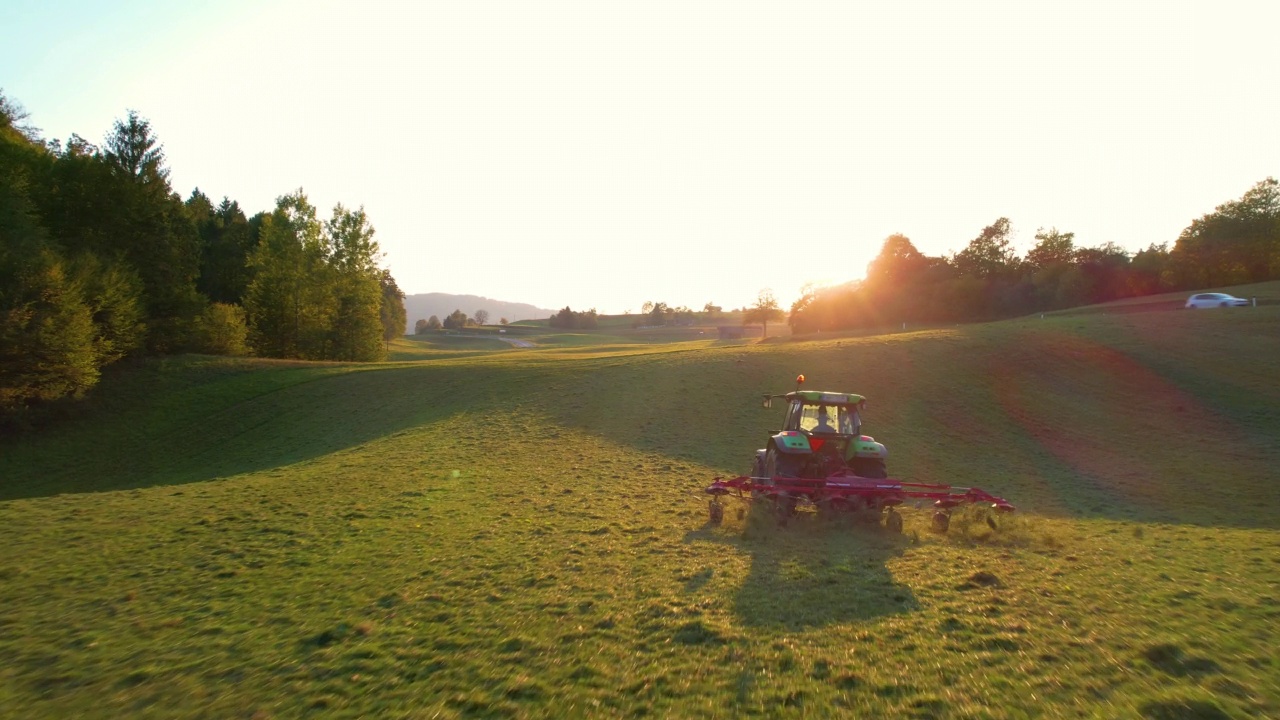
{"type": "Point", "coordinates": [828, 414]}
{"type": "Point", "coordinates": [821, 433]}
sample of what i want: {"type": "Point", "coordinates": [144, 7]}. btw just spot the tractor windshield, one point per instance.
{"type": "Point", "coordinates": [818, 418]}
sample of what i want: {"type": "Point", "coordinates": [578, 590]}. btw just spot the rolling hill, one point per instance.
{"type": "Point", "coordinates": [423, 305]}
{"type": "Point", "coordinates": [521, 533]}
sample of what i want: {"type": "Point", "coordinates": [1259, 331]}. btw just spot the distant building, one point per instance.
{"type": "Point", "coordinates": [738, 332]}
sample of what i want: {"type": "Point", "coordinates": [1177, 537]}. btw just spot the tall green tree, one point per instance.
{"type": "Point", "coordinates": [1052, 248]}
{"type": "Point", "coordinates": [392, 310]}
{"type": "Point", "coordinates": [898, 263]}
{"type": "Point", "coordinates": [226, 240]}
{"type": "Point", "coordinates": [133, 149]}
{"type": "Point", "coordinates": [112, 291]}
{"type": "Point", "coordinates": [47, 348]}
{"type": "Point", "coordinates": [1238, 242]}
{"type": "Point", "coordinates": [357, 329]}
{"type": "Point", "coordinates": [149, 225]}
{"type": "Point", "coordinates": [289, 304]}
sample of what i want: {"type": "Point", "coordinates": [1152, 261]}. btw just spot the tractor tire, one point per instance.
{"type": "Point", "coordinates": [775, 464]}
{"type": "Point", "coordinates": [764, 470]}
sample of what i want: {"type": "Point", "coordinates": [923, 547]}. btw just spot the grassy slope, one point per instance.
{"type": "Point", "coordinates": [519, 533]}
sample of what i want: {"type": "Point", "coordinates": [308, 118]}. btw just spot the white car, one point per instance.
{"type": "Point", "coordinates": [1208, 300]}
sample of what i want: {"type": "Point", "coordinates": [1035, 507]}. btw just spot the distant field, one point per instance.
{"type": "Point", "coordinates": [425, 347]}
{"type": "Point", "coordinates": [482, 531]}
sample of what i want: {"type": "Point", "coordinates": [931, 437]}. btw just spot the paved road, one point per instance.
{"type": "Point", "coordinates": [517, 343]}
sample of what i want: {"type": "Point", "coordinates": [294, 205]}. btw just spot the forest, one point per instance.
{"type": "Point", "coordinates": [101, 260]}
{"type": "Point", "coordinates": [1239, 242]}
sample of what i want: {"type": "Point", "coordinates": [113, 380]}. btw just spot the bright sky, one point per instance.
{"type": "Point", "coordinates": [603, 154]}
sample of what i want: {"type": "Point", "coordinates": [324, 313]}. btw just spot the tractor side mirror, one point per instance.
{"type": "Point", "coordinates": [768, 401]}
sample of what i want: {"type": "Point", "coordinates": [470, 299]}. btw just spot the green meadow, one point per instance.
{"type": "Point", "coordinates": [477, 530]}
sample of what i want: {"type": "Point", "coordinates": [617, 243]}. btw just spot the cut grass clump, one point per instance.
{"type": "Point", "coordinates": [697, 633]}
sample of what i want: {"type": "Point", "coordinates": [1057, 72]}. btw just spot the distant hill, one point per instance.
{"type": "Point", "coordinates": [424, 305]}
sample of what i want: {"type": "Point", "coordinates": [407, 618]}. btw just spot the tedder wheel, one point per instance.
{"type": "Point", "coordinates": [715, 511]}
{"type": "Point", "coordinates": [941, 521]}
{"type": "Point", "coordinates": [784, 508]}
{"type": "Point", "coordinates": [893, 521]}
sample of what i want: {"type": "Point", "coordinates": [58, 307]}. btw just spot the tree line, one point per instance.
{"type": "Point", "coordinates": [100, 260]}
{"type": "Point", "coordinates": [568, 319]}
{"type": "Point", "coordinates": [455, 320]}
{"type": "Point", "coordinates": [1239, 242]}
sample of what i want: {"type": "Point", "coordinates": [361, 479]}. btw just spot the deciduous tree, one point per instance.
{"type": "Point", "coordinates": [765, 310]}
{"type": "Point", "coordinates": [990, 253]}
{"type": "Point", "coordinates": [456, 320]}
{"type": "Point", "coordinates": [394, 316]}
{"type": "Point", "coordinates": [289, 302]}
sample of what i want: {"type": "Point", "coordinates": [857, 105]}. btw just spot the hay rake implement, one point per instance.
{"type": "Point", "coordinates": [844, 492]}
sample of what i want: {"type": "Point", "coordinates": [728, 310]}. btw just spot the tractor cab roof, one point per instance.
{"type": "Point", "coordinates": [825, 398]}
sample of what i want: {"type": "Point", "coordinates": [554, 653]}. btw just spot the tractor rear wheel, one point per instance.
{"type": "Point", "coordinates": [771, 464]}
{"type": "Point", "coordinates": [764, 471]}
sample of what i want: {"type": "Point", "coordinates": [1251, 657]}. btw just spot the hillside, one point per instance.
{"type": "Point", "coordinates": [522, 533]}
{"type": "Point", "coordinates": [423, 305]}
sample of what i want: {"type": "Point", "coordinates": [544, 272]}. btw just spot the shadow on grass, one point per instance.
{"type": "Point", "coordinates": [161, 425]}
{"type": "Point", "coordinates": [813, 571]}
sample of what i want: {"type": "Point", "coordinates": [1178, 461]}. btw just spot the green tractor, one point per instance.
{"type": "Point", "coordinates": [820, 457]}
{"type": "Point", "coordinates": [821, 436]}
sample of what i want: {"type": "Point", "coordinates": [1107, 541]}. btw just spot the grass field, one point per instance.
{"type": "Point", "coordinates": [514, 533]}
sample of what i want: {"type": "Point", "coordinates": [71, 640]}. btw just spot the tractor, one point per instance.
{"type": "Point", "coordinates": [820, 457]}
